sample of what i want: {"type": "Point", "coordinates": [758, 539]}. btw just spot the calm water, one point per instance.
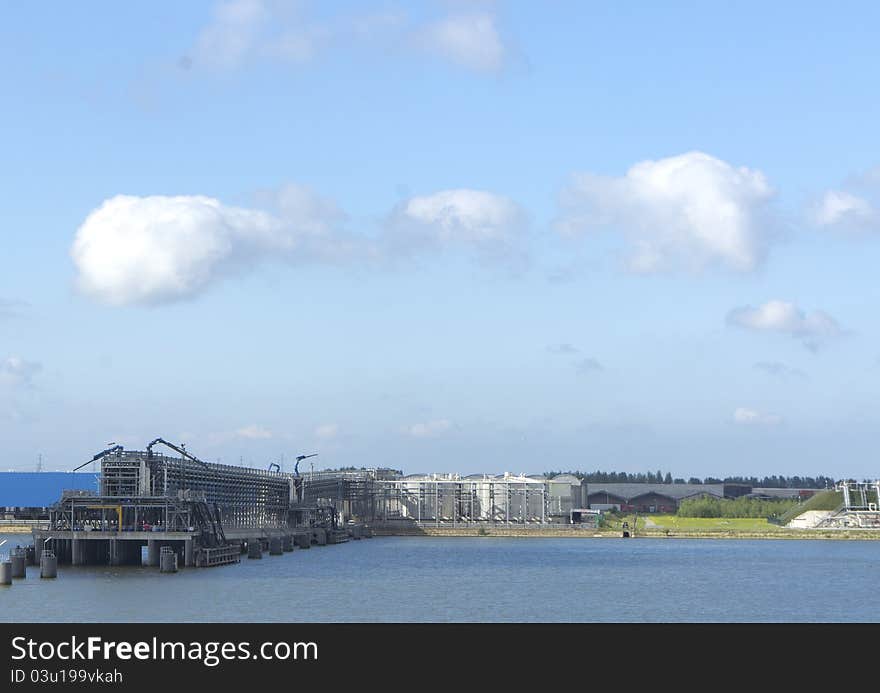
{"type": "Point", "coordinates": [480, 579]}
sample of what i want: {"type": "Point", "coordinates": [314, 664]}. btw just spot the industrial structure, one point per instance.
{"type": "Point", "coordinates": [859, 509]}
{"type": "Point", "coordinates": [206, 513]}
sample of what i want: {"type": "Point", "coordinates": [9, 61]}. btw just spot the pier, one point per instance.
{"type": "Point", "coordinates": [151, 505]}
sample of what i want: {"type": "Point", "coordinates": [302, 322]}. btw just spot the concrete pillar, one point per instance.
{"type": "Point", "coordinates": [303, 540]}
{"type": "Point", "coordinates": [188, 556]}
{"type": "Point", "coordinates": [152, 553]}
{"type": "Point", "coordinates": [115, 558]}
{"type": "Point", "coordinates": [38, 549]}
{"type": "Point", "coordinates": [288, 542]}
{"type": "Point", "coordinates": [48, 565]}
{"type": "Point", "coordinates": [6, 573]}
{"type": "Point", "coordinates": [77, 551]}
{"type": "Point", "coordinates": [167, 560]}
{"type": "Point", "coordinates": [276, 546]}
{"type": "Point", "coordinates": [255, 548]}
{"type": "Point", "coordinates": [319, 536]}
{"type": "Point", "coordinates": [18, 565]}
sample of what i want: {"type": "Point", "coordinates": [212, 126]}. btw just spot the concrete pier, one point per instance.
{"type": "Point", "coordinates": [6, 573]}
{"type": "Point", "coordinates": [288, 542]}
{"type": "Point", "coordinates": [153, 553]}
{"type": "Point", "coordinates": [48, 564]}
{"type": "Point", "coordinates": [303, 539]}
{"type": "Point", "coordinates": [188, 559]}
{"type": "Point", "coordinates": [276, 546]}
{"type": "Point", "coordinates": [19, 569]}
{"type": "Point", "coordinates": [77, 550]}
{"type": "Point", "coordinates": [255, 548]}
{"type": "Point", "coordinates": [319, 536]}
{"type": "Point", "coordinates": [167, 560]}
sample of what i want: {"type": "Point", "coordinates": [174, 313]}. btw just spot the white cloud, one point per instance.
{"type": "Point", "coordinates": [839, 209]}
{"type": "Point", "coordinates": [18, 372]}
{"type": "Point", "coordinates": [429, 429]}
{"type": "Point", "coordinates": [241, 31]}
{"type": "Point", "coordinates": [786, 318]}
{"type": "Point", "coordinates": [327, 431]}
{"type": "Point", "coordinates": [159, 249]}
{"type": "Point", "coordinates": [690, 210]}
{"type": "Point", "coordinates": [470, 40]}
{"type": "Point", "coordinates": [457, 217]}
{"type": "Point", "coordinates": [743, 415]}
{"type": "Point", "coordinates": [232, 34]}
{"type": "Point", "coordinates": [254, 432]}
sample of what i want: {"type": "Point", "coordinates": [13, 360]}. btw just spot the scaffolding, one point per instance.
{"type": "Point", "coordinates": [452, 500]}
{"type": "Point", "coordinates": [245, 497]}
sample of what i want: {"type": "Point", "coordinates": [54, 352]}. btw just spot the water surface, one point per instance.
{"type": "Point", "coordinates": [482, 579]}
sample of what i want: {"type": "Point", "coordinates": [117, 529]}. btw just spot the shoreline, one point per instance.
{"type": "Point", "coordinates": [782, 534]}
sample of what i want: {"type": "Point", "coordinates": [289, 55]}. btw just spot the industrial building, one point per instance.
{"type": "Point", "coordinates": [28, 495]}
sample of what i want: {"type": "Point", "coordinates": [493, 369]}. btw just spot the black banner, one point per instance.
{"type": "Point", "coordinates": [132, 656]}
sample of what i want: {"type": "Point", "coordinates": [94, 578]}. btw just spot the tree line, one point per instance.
{"type": "Point", "coordinates": [710, 506]}
{"type": "Point", "coordinates": [658, 477]}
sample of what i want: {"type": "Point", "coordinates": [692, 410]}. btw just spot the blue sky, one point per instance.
{"type": "Point", "coordinates": [443, 236]}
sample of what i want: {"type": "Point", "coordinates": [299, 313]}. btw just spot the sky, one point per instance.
{"type": "Point", "coordinates": [443, 236]}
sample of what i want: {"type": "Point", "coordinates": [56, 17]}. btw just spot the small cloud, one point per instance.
{"type": "Point", "coordinates": [254, 432]}
{"type": "Point", "coordinates": [429, 429]}
{"type": "Point", "coordinates": [841, 210]}
{"type": "Point", "coordinates": [17, 372]}
{"type": "Point", "coordinates": [588, 365]}
{"type": "Point", "coordinates": [562, 349]}
{"type": "Point", "coordinates": [455, 217]}
{"type": "Point", "coordinates": [743, 415]}
{"type": "Point", "coordinates": [10, 308]}
{"type": "Point", "coordinates": [779, 370]}
{"type": "Point", "coordinates": [241, 32]}
{"type": "Point", "coordinates": [783, 317]}
{"type": "Point", "coordinates": [327, 431]}
{"type": "Point", "coordinates": [470, 40]}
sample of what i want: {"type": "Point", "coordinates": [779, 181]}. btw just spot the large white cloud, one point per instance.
{"type": "Point", "coordinates": [786, 318]}
{"type": "Point", "coordinates": [690, 210]}
{"type": "Point", "coordinates": [457, 217]}
{"type": "Point", "coordinates": [158, 249]}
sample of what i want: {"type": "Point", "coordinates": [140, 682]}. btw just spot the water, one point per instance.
{"type": "Point", "coordinates": [432, 579]}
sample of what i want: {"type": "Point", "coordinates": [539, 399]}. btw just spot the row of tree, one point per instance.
{"type": "Point", "coordinates": [709, 506]}
{"type": "Point", "coordinates": [775, 481]}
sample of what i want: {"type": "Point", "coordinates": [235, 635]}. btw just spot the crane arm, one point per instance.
{"type": "Point", "coordinates": [115, 448]}
{"type": "Point", "coordinates": [300, 458]}
{"type": "Point", "coordinates": [176, 449]}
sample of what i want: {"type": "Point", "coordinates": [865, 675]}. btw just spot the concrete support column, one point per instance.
{"type": "Point", "coordinates": [76, 552]}
{"type": "Point", "coordinates": [152, 553]}
{"type": "Point", "coordinates": [115, 558]}
{"type": "Point", "coordinates": [188, 556]}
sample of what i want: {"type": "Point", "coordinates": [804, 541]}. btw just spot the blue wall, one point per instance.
{"type": "Point", "coordinates": [40, 489]}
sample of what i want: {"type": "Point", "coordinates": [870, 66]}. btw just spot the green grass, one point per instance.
{"type": "Point", "coordinates": [711, 524]}
{"type": "Point", "coordinates": [824, 500]}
